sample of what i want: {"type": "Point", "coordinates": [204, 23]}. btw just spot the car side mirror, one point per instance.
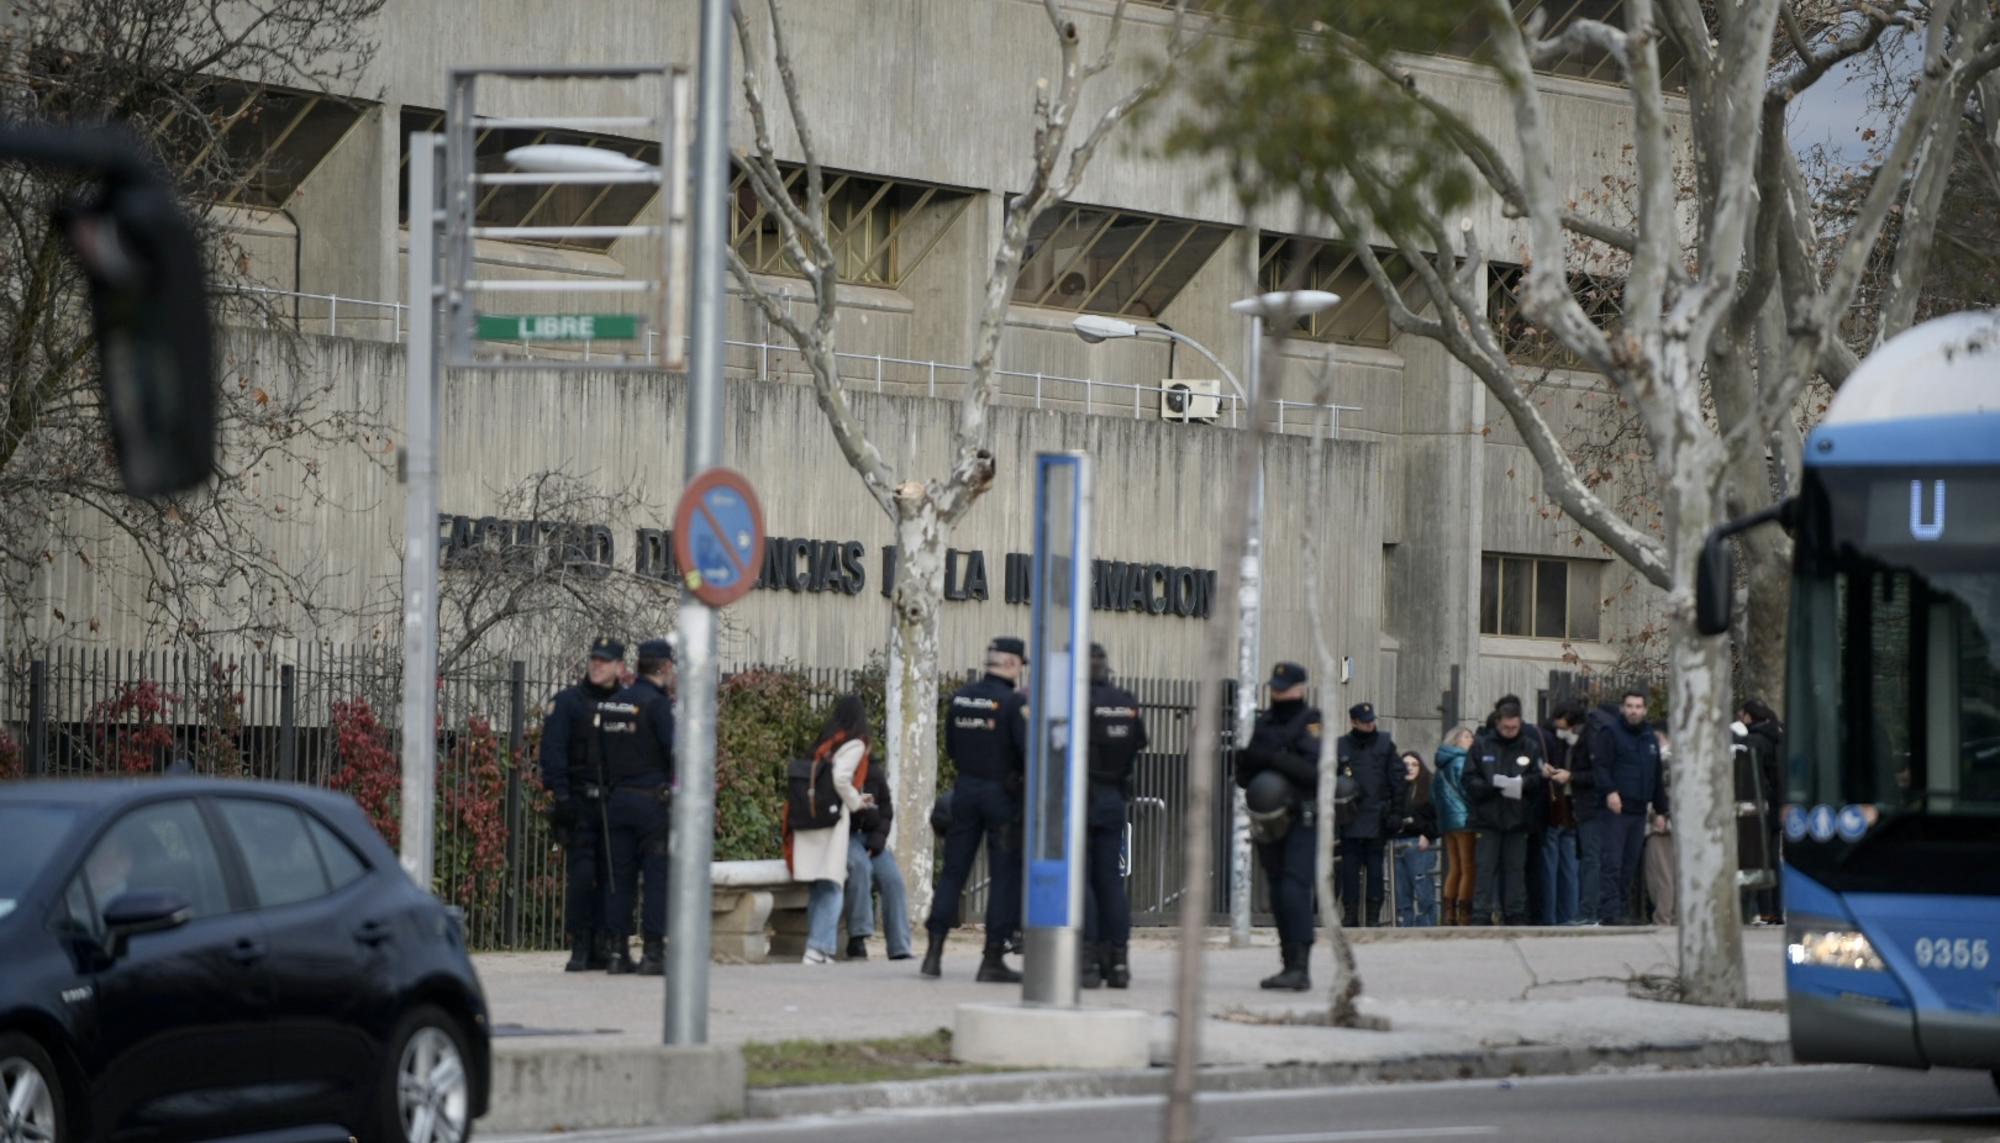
{"type": "Point", "coordinates": [149, 310]}
{"type": "Point", "coordinates": [141, 911]}
{"type": "Point", "coordinates": [1714, 585]}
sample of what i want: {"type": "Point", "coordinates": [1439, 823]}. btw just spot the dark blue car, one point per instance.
{"type": "Point", "coordinates": [200, 960]}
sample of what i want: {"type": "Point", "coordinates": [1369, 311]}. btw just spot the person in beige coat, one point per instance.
{"type": "Point", "coordinates": [819, 856]}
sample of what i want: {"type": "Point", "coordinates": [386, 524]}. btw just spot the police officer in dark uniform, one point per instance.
{"type": "Point", "coordinates": [988, 738]}
{"type": "Point", "coordinates": [1368, 756]}
{"type": "Point", "coordinates": [1117, 735]}
{"type": "Point", "coordinates": [1284, 746]}
{"type": "Point", "coordinates": [638, 729]}
{"type": "Point", "coordinates": [571, 762]}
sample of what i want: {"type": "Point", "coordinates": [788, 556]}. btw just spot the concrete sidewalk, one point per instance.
{"type": "Point", "coordinates": [1457, 1002]}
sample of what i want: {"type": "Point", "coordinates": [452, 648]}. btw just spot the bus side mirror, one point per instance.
{"type": "Point", "coordinates": [149, 310]}
{"type": "Point", "coordinates": [1714, 585]}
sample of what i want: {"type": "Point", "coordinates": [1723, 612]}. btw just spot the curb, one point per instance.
{"type": "Point", "coordinates": [1051, 1087]}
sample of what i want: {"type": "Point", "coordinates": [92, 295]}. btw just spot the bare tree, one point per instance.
{"type": "Point", "coordinates": [184, 77]}
{"type": "Point", "coordinates": [536, 575]}
{"type": "Point", "coordinates": [925, 511]}
{"type": "Point", "coordinates": [1722, 327]}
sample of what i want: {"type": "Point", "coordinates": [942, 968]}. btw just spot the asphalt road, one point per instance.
{"type": "Point", "coordinates": [1772, 1105]}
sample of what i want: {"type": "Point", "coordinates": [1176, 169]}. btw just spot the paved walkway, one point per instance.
{"type": "Point", "coordinates": [1440, 991]}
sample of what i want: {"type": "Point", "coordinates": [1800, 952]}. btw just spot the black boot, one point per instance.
{"type": "Point", "coordinates": [601, 944]}
{"type": "Point", "coordinates": [933, 965]}
{"type": "Point", "coordinates": [582, 950]}
{"type": "Point", "coordinates": [1091, 974]}
{"type": "Point", "coordinates": [622, 963]}
{"type": "Point", "coordinates": [1277, 980]}
{"type": "Point", "coordinates": [654, 960]}
{"type": "Point", "coordinates": [993, 967]}
{"type": "Point", "coordinates": [1296, 977]}
{"type": "Point", "coordinates": [857, 948]}
{"type": "Point", "coordinates": [1117, 968]}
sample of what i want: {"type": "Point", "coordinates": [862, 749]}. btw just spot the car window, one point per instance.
{"type": "Point", "coordinates": [284, 866]}
{"type": "Point", "coordinates": [342, 866]}
{"type": "Point", "coordinates": [28, 835]}
{"type": "Point", "coordinates": [162, 846]}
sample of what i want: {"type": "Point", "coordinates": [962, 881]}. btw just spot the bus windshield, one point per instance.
{"type": "Point", "coordinates": [1895, 642]}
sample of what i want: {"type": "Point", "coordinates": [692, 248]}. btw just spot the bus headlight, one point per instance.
{"type": "Point", "coordinates": [1832, 948]}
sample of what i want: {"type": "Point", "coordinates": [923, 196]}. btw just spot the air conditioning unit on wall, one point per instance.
{"type": "Point", "coordinates": [1185, 400]}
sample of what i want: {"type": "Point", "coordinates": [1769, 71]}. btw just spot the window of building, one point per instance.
{"type": "Point", "coordinates": [1602, 298]}
{"type": "Point", "coordinates": [259, 142]}
{"type": "Point", "coordinates": [1536, 598]}
{"type": "Point", "coordinates": [1362, 317]}
{"type": "Point", "coordinates": [880, 229]}
{"type": "Point", "coordinates": [1084, 259]}
{"type": "Point", "coordinates": [572, 205]}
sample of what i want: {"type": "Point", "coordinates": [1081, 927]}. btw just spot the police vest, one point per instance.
{"type": "Point", "coordinates": [632, 757]}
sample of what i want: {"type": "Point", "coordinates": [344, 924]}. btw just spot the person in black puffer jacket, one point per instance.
{"type": "Point", "coordinates": [1503, 774]}
{"type": "Point", "coordinates": [870, 865]}
{"type": "Point", "coordinates": [1368, 756]}
{"type": "Point", "coordinates": [1285, 744]}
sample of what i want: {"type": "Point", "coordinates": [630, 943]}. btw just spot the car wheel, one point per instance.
{"type": "Point", "coordinates": [426, 1096]}
{"type": "Point", "coordinates": [31, 1100]}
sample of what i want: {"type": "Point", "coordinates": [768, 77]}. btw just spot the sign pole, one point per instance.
{"type": "Point", "coordinates": [420, 515]}
{"type": "Point", "coordinates": [1059, 730]}
{"type": "Point", "coordinates": [692, 840]}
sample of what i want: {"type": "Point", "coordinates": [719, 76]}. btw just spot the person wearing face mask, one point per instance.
{"type": "Point", "coordinates": [1560, 853]}
{"type": "Point", "coordinates": [1368, 756]}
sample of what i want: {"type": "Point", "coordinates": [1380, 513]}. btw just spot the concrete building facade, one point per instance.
{"type": "Point", "coordinates": [1447, 561]}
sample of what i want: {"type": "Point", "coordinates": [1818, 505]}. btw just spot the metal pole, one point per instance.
{"type": "Point", "coordinates": [288, 723]}
{"type": "Point", "coordinates": [517, 745]}
{"type": "Point", "coordinates": [38, 718]}
{"type": "Point", "coordinates": [420, 527]}
{"type": "Point", "coordinates": [692, 843]}
{"type": "Point", "coordinates": [1249, 653]}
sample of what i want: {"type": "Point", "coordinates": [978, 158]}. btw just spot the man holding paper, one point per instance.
{"type": "Point", "coordinates": [1503, 777]}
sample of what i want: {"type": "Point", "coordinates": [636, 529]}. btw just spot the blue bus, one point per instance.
{"type": "Point", "coordinates": [1891, 873]}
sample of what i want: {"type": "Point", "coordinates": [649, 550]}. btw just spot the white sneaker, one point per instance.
{"type": "Point", "coordinates": [814, 956]}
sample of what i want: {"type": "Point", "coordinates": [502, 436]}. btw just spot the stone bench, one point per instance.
{"type": "Point", "coordinates": [746, 897]}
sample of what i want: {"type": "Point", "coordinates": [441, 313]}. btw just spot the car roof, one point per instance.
{"type": "Point", "coordinates": [108, 793]}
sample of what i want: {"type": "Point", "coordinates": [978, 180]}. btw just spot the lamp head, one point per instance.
{"type": "Point", "coordinates": [1095, 328]}
{"type": "Point", "coordinates": [561, 158]}
{"type": "Point", "coordinates": [1297, 303]}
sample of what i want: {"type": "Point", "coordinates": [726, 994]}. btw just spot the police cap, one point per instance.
{"type": "Point", "coordinates": [1362, 712]}
{"type": "Point", "coordinates": [1008, 645]}
{"type": "Point", "coordinates": [608, 649]}
{"type": "Point", "coordinates": [1285, 676]}
{"type": "Point", "coordinates": [657, 651]}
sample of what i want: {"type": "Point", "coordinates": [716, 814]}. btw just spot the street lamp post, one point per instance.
{"type": "Point", "coordinates": [1283, 306]}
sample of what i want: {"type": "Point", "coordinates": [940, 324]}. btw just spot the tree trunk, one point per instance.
{"type": "Point", "coordinates": [1344, 989]}
{"type": "Point", "coordinates": [1768, 568]}
{"type": "Point", "coordinates": [1704, 787]}
{"type": "Point", "coordinates": [912, 699]}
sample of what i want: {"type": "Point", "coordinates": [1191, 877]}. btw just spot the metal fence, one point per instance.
{"type": "Point", "coordinates": [78, 712]}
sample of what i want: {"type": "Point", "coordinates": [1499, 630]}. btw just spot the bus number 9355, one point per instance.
{"type": "Point", "coordinates": [1945, 952]}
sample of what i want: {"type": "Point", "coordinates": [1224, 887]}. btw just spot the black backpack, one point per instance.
{"type": "Point", "coordinates": [810, 799]}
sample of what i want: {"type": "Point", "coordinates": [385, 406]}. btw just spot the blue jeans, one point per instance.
{"type": "Point", "coordinates": [823, 916]}
{"type": "Point", "coordinates": [1589, 886]}
{"type": "Point", "coordinates": [1560, 887]}
{"type": "Point", "coordinates": [878, 873]}
{"type": "Point", "coordinates": [1416, 885]}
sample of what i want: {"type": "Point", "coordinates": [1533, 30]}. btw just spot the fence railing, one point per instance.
{"type": "Point", "coordinates": [767, 360]}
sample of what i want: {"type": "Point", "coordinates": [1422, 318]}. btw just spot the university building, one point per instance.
{"type": "Point", "coordinates": [1447, 566]}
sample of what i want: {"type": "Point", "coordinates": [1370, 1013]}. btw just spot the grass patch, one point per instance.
{"type": "Point", "coordinates": [802, 1063]}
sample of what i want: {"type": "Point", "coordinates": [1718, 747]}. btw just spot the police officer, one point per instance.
{"type": "Point", "coordinates": [1284, 746]}
{"type": "Point", "coordinates": [1117, 735]}
{"type": "Point", "coordinates": [571, 772]}
{"type": "Point", "coordinates": [638, 729]}
{"type": "Point", "coordinates": [988, 738]}
{"type": "Point", "coordinates": [1368, 756]}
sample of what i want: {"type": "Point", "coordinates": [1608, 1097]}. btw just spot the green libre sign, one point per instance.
{"type": "Point", "coordinates": [558, 327]}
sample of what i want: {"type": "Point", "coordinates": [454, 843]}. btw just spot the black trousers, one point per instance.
{"type": "Point", "coordinates": [1503, 872]}
{"type": "Point", "coordinates": [1360, 855]}
{"type": "Point", "coordinates": [1108, 909]}
{"type": "Point", "coordinates": [638, 850]}
{"type": "Point", "coordinates": [583, 870]}
{"type": "Point", "coordinates": [981, 810]}
{"type": "Point", "coordinates": [1288, 871]}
